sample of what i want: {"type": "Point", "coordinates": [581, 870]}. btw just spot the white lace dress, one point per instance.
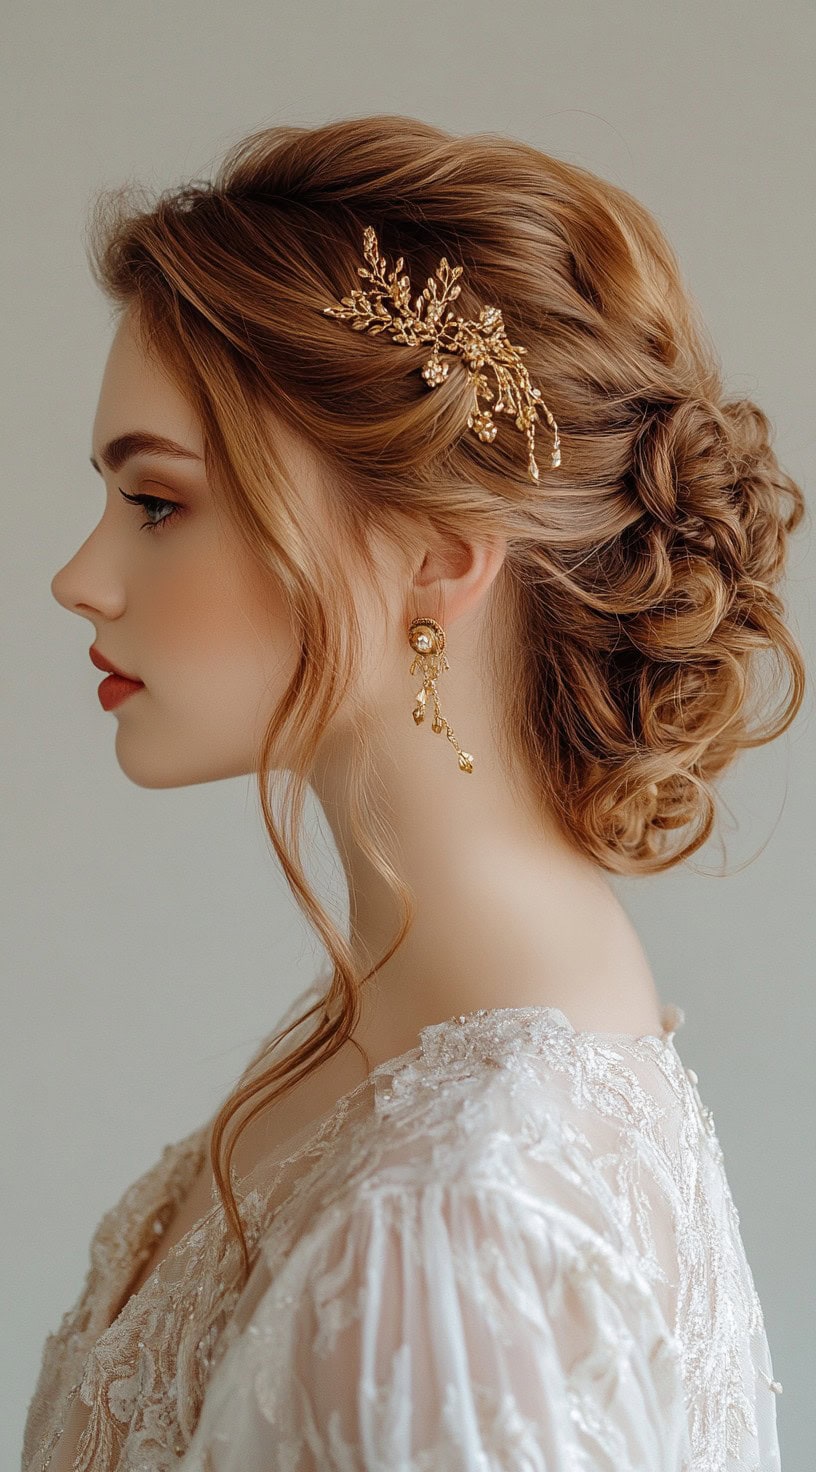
{"type": "Point", "coordinates": [511, 1249]}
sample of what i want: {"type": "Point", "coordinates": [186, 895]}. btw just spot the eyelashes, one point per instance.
{"type": "Point", "coordinates": [150, 504]}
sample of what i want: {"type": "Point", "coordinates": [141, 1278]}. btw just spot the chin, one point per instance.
{"type": "Point", "coordinates": [149, 766]}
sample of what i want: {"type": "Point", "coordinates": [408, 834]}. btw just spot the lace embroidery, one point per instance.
{"type": "Point", "coordinates": [471, 1100]}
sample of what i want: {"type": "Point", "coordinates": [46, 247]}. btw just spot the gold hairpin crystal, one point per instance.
{"type": "Point", "coordinates": [482, 344]}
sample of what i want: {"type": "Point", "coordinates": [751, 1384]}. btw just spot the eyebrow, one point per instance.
{"type": "Point", "coordinates": [125, 446]}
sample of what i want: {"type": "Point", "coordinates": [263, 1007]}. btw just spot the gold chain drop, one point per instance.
{"type": "Point", "coordinates": [427, 637]}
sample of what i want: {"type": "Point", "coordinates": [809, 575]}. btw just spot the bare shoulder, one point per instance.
{"type": "Point", "coordinates": [620, 996]}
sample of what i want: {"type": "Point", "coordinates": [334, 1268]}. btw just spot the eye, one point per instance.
{"type": "Point", "coordinates": [151, 504]}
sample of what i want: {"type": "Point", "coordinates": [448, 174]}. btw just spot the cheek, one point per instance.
{"type": "Point", "coordinates": [225, 633]}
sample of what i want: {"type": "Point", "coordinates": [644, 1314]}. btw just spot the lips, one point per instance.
{"type": "Point", "coordinates": [102, 663]}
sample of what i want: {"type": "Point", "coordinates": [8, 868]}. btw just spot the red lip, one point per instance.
{"type": "Point", "coordinates": [104, 664]}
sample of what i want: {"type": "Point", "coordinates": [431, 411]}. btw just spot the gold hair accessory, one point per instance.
{"type": "Point", "coordinates": [481, 344]}
{"type": "Point", "coordinates": [427, 637]}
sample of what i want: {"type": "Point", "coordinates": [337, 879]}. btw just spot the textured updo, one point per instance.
{"type": "Point", "coordinates": [629, 621]}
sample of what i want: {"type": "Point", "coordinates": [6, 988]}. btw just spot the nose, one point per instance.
{"type": "Point", "coordinates": [89, 585]}
{"type": "Point", "coordinates": [57, 588]}
{"type": "Point", "coordinates": [66, 586]}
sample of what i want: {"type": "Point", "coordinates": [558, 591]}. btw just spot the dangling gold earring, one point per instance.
{"type": "Point", "coordinates": [427, 637]}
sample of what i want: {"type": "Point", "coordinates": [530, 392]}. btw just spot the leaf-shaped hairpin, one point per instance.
{"type": "Point", "coordinates": [386, 306]}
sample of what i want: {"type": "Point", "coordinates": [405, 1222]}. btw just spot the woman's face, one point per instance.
{"type": "Point", "coordinates": [182, 608]}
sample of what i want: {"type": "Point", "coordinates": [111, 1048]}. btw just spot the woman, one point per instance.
{"type": "Point", "coordinates": [398, 426]}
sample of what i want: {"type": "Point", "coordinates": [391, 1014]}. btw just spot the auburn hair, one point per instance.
{"type": "Point", "coordinates": [638, 591]}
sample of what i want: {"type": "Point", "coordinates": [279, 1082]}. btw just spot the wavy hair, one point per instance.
{"type": "Point", "coordinates": [637, 593]}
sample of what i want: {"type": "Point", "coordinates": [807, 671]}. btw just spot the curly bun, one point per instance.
{"type": "Point", "coordinates": [653, 639]}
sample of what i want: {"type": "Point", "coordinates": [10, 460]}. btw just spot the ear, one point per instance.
{"type": "Point", "coordinates": [456, 574]}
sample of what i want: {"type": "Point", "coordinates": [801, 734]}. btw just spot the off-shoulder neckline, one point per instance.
{"type": "Point", "coordinates": [672, 1017]}
{"type": "Point", "coordinates": [514, 1029]}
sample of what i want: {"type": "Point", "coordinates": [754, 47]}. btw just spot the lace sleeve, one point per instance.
{"type": "Point", "coordinates": [448, 1327]}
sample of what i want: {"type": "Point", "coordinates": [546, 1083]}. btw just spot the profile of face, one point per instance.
{"type": "Point", "coordinates": [172, 594]}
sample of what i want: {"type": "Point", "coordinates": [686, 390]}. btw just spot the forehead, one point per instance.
{"type": "Point", "coordinates": [137, 395]}
{"type": "Point", "coordinates": [140, 404]}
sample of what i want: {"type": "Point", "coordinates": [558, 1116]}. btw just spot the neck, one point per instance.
{"type": "Point", "coordinates": [508, 913]}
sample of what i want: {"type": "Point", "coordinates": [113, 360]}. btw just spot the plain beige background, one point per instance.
{"type": "Point", "coordinates": [148, 939]}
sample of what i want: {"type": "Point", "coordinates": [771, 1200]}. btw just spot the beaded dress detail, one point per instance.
{"type": "Point", "coordinates": [510, 1249]}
